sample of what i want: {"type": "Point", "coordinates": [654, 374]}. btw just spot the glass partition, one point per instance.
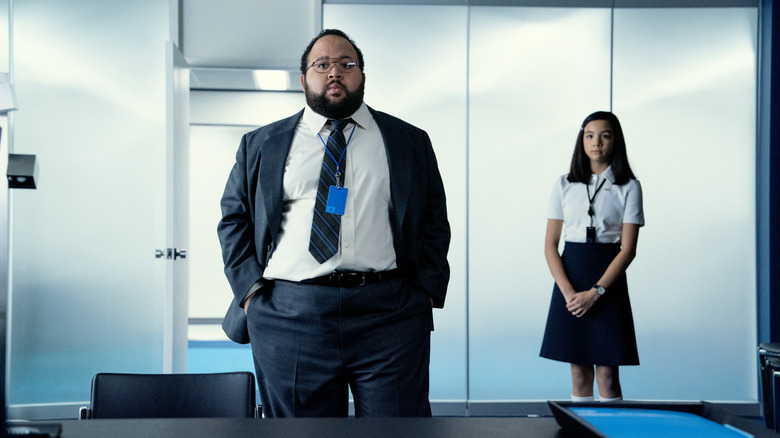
{"type": "Point", "coordinates": [87, 291]}
{"type": "Point", "coordinates": [678, 77]}
{"type": "Point", "coordinates": [535, 73]}
{"type": "Point", "coordinates": [502, 92]}
{"type": "Point", "coordinates": [685, 87]}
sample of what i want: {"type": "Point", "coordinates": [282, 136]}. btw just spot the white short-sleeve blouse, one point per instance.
{"type": "Point", "coordinates": [613, 206]}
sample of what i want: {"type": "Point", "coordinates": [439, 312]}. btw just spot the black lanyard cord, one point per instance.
{"type": "Point", "coordinates": [590, 199]}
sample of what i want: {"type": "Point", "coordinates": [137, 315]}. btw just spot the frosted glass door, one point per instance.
{"type": "Point", "coordinates": [87, 291]}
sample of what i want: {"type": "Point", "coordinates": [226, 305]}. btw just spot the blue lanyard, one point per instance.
{"type": "Point", "coordinates": [343, 153]}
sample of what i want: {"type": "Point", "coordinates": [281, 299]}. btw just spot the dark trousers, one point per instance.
{"type": "Point", "coordinates": [312, 344]}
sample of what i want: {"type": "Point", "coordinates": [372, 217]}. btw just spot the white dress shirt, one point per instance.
{"type": "Point", "coordinates": [366, 240]}
{"type": "Point", "coordinates": [613, 206]}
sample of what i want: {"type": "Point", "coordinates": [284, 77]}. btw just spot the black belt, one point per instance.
{"type": "Point", "coordinates": [352, 278]}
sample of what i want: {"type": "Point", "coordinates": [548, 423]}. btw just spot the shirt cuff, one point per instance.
{"type": "Point", "coordinates": [252, 290]}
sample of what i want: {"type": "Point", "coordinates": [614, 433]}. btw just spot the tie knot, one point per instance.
{"type": "Point", "coordinates": [339, 124]}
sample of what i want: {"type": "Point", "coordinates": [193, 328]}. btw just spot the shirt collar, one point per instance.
{"type": "Point", "coordinates": [608, 174]}
{"type": "Point", "coordinates": [316, 122]}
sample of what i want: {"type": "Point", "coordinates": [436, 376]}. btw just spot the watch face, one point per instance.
{"type": "Point", "coordinates": [601, 290]}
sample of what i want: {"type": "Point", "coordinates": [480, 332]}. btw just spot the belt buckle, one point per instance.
{"type": "Point", "coordinates": [352, 279]}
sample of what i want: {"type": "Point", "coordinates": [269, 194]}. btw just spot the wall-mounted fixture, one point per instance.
{"type": "Point", "coordinates": [22, 171]}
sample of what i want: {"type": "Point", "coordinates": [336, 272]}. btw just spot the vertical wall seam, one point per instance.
{"type": "Point", "coordinates": [611, 53]}
{"type": "Point", "coordinates": [468, 112]}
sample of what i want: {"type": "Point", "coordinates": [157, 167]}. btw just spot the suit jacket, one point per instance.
{"type": "Point", "coordinates": [252, 210]}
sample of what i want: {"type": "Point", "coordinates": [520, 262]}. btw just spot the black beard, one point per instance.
{"type": "Point", "coordinates": [340, 110]}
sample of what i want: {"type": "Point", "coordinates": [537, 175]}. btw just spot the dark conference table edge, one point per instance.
{"type": "Point", "coordinates": [449, 427]}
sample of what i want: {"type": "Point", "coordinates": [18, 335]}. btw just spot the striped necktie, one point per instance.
{"type": "Point", "coordinates": [325, 227]}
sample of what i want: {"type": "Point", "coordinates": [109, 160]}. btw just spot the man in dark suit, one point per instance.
{"type": "Point", "coordinates": [334, 236]}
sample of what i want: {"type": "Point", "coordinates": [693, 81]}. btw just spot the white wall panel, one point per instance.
{"type": "Point", "coordinates": [535, 74]}
{"type": "Point", "coordinates": [684, 87]}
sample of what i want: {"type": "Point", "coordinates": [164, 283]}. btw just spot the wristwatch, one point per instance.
{"type": "Point", "coordinates": [599, 289]}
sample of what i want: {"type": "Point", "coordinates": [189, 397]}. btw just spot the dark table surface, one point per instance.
{"type": "Point", "coordinates": [444, 427]}
{"type": "Point", "coordinates": [449, 427]}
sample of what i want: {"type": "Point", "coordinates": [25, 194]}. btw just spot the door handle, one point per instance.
{"type": "Point", "coordinates": [170, 253]}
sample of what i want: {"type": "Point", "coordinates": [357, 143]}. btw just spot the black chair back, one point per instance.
{"type": "Point", "coordinates": [173, 395]}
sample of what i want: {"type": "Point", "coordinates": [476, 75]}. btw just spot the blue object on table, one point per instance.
{"type": "Point", "coordinates": [637, 423]}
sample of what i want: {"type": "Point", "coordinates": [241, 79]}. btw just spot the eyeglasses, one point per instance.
{"type": "Point", "coordinates": [323, 65]}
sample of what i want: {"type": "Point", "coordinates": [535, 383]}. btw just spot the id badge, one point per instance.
{"type": "Point", "coordinates": [337, 200]}
{"type": "Point", "coordinates": [590, 235]}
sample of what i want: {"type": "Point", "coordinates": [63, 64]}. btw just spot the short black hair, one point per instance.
{"type": "Point", "coordinates": [580, 163]}
{"type": "Point", "coordinates": [324, 32]}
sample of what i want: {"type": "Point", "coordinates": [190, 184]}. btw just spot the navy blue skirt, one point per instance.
{"type": "Point", "coordinates": [605, 335]}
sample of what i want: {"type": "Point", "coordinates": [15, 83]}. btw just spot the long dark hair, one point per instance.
{"type": "Point", "coordinates": [580, 163]}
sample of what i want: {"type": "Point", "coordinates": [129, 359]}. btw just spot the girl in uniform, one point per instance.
{"type": "Point", "coordinates": [597, 207]}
